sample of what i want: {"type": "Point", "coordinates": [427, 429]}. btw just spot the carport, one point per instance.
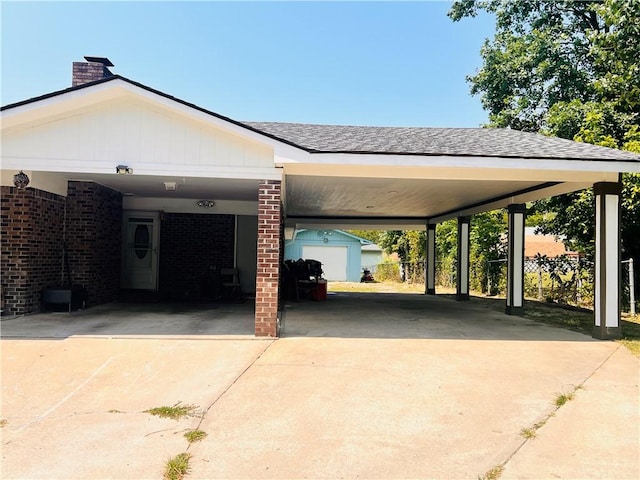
{"type": "Point", "coordinates": [111, 156]}
{"type": "Point", "coordinates": [414, 178]}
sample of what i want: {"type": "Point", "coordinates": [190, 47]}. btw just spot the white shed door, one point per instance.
{"type": "Point", "coordinates": [333, 259]}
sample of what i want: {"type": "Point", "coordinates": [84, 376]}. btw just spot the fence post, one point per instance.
{"type": "Point", "coordinates": [540, 282]}
{"type": "Point", "coordinates": [632, 294]}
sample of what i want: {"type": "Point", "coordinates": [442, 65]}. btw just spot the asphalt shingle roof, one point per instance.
{"type": "Point", "coordinates": [474, 142]}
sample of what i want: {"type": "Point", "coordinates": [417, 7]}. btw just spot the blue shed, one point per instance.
{"type": "Point", "coordinates": [338, 251]}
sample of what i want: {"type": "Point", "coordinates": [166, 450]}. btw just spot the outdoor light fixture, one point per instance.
{"type": "Point", "coordinates": [20, 179]}
{"type": "Point", "coordinates": [205, 203]}
{"type": "Point", "coordinates": [124, 170]}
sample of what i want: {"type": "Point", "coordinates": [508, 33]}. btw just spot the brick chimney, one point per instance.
{"type": "Point", "coordinates": [95, 68]}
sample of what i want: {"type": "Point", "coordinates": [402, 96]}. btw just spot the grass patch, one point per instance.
{"type": "Point", "coordinates": [195, 435]}
{"type": "Point", "coordinates": [494, 474]}
{"type": "Point", "coordinates": [3, 423]}
{"type": "Point", "coordinates": [563, 398]}
{"type": "Point", "coordinates": [631, 333]}
{"type": "Point", "coordinates": [528, 433]}
{"type": "Point", "coordinates": [376, 287]}
{"type": "Point", "coordinates": [177, 467]}
{"type": "Point", "coordinates": [113, 410]}
{"type": "Point", "coordinates": [175, 412]}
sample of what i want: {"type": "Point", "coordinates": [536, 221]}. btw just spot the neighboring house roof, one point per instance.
{"type": "Point", "coordinates": [371, 248]}
{"type": "Point", "coordinates": [363, 241]}
{"type": "Point", "coordinates": [545, 245]}
{"type": "Point", "coordinates": [480, 142]}
{"type": "Point", "coordinates": [468, 142]}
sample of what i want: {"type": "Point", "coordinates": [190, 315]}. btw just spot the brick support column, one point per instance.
{"type": "Point", "coordinates": [607, 275]}
{"type": "Point", "coordinates": [430, 267]}
{"type": "Point", "coordinates": [462, 277]}
{"type": "Point", "coordinates": [268, 268]}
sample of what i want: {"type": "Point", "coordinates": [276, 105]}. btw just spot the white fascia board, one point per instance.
{"type": "Point", "coordinates": [356, 223]}
{"type": "Point", "coordinates": [188, 205]}
{"type": "Point", "coordinates": [325, 164]}
{"type": "Point", "coordinates": [448, 173]}
{"type": "Point", "coordinates": [107, 167]}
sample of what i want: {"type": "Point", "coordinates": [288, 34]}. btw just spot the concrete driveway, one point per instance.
{"type": "Point", "coordinates": [358, 387]}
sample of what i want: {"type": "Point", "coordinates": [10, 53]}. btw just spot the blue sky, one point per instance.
{"type": "Point", "coordinates": [356, 63]}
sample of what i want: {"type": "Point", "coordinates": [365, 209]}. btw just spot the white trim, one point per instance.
{"type": "Point", "coordinates": [303, 163]}
{"type": "Point", "coordinates": [598, 280]}
{"type": "Point", "coordinates": [431, 258]}
{"type": "Point", "coordinates": [612, 261]}
{"type": "Point", "coordinates": [463, 262]}
{"type": "Point", "coordinates": [188, 205]}
{"type": "Point", "coordinates": [518, 252]}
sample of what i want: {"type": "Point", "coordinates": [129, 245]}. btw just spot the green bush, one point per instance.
{"type": "Point", "coordinates": [388, 272]}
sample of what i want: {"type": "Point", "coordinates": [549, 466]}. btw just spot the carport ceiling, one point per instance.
{"type": "Point", "coordinates": [315, 196]}
{"type": "Point", "coordinates": [186, 187]}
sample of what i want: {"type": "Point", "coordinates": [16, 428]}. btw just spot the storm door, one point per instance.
{"type": "Point", "coordinates": [140, 251]}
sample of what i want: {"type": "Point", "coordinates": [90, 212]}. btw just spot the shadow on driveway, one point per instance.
{"type": "Point", "coordinates": [396, 315]}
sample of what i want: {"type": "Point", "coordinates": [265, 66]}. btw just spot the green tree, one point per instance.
{"type": "Point", "coordinates": [371, 235]}
{"type": "Point", "coordinates": [571, 69]}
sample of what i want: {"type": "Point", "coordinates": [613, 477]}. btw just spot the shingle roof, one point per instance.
{"type": "Point", "coordinates": [475, 142]}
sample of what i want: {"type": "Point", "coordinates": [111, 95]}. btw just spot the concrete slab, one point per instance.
{"type": "Point", "coordinates": [127, 319]}
{"type": "Point", "coordinates": [596, 435]}
{"type": "Point", "coordinates": [75, 408]}
{"type": "Point", "coordinates": [359, 386]}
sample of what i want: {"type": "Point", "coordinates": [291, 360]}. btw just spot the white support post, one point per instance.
{"type": "Point", "coordinates": [515, 262]}
{"type": "Point", "coordinates": [430, 267]}
{"type": "Point", "coordinates": [462, 277]}
{"type": "Point", "coordinates": [607, 268]}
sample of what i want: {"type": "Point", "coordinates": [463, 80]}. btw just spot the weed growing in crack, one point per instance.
{"type": "Point", "coordinates": [177, 467]}
{"type": "Point", "coordinates": [195, 435]}
{"type": "Point", "coordinates": [528, 433]}
{"type": "Point", "coordinates": [563, 398]}
{"type": "Point", "coordinates": [493, 474]}
{"type": "Point", "coordinates": [175, 412]}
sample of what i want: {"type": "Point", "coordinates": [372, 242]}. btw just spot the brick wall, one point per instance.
{"type": "Point", "coordinates": [193, 249]}
{"type": "Point", "coordinates": [31, 236]}
{"type": "Point", "coordinates": [268, 274]}
{"type": "Point", "coordinates": [94, 239]}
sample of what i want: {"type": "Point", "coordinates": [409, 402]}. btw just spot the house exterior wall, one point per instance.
{"type": "Point", "coordinates": [246, 252]}
{"type": "Point", "coordinates": [193, 249]}
{"type": "Point", "coordinates": [370, 258]}
{"type": "Point", "coordinates": [31, 232]}
{"type": "Point", "coordinates": [94, 239]}
{"type": "Point", "coordinates": [133, 133]}
{"type": "Point", "coordinates": [34, 232]}
{"type": "Point", "coordinates": [293, 249]}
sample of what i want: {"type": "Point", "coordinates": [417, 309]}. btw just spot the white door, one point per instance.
{"type": "Point", "coordinates": [140, 251]}
{"type": "Point", "coordinates": [333, 259]}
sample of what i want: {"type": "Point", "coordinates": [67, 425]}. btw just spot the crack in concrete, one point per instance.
{"type": "Point", "coordinates": [223, 393]}
{"type": "Point", "coordinates": [553, 412]}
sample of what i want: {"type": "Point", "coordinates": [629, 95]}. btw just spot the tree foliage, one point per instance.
{"type": "Point", "coordinates": [570, 69]}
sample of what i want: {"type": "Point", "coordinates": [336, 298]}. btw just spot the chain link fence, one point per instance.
{"type": "Point", "coordinates": [566, 279]}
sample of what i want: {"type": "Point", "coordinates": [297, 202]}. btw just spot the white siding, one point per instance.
{"type": "Point", "coordinates": [133, 133]}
